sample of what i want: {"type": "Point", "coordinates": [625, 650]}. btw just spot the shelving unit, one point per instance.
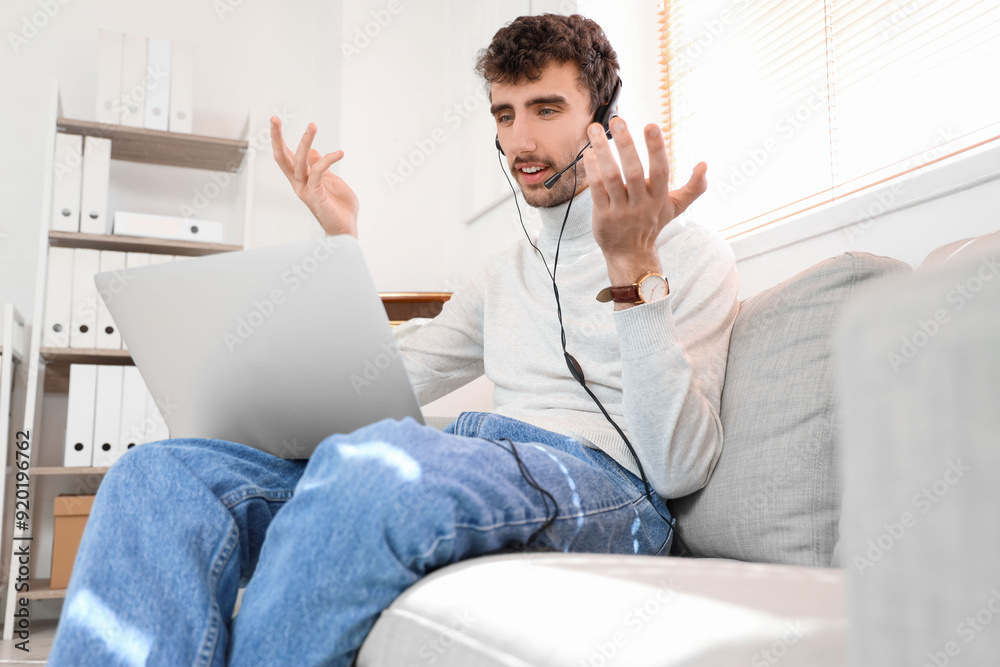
{"type": "Point", "coordinates": [12, 355]}
{"type": "Point", "coordinates": [48, 367]}
{"type": "Point", "coordinates": [174, 149]}
{"type": "Point", "coordinates": [136, 244]}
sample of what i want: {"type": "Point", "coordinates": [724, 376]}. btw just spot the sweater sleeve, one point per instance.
{"type": "Point", "coordinates": [674, 354]}
{"type": "Point", "coordinates": [446, 352]}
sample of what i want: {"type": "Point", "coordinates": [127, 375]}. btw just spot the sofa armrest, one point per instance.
{"type": "Point", "coordinates": [919, 384]}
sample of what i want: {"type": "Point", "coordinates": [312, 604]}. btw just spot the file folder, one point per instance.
{"type": "Point", "coordinates": [107, 415]}
{"type": "Point", "coordinates": [154, 419]}
{"type": "Point", "coordinates": [132, 260]}
{"type": "Point", "coordinates": [133, 90]}
{"type": "Point", "coordinates": [181, 85]}
{"type": "Point", "coordinates": [156, 258]}
{"type": "Point", "coordinates": [134, 428]}
{"type": "Point", "coordinates": [167, 227]}
{"type": "Point", "coordinates": [108, 336]}
{"type": "Point", "coordinates": [80, 415]}
{"type": "Point", "coordinates": [158, 85]}
{"type": "Point", "coordinates": [67, 182]}
{"type": "Point", "coordinates": [83, 316]}
{"type": "Point", "coordinates": [58, 297]}
{"type": "Point", "coordinates": [110, 46]}
{"type": "Point", "coordinates": [94, 217]}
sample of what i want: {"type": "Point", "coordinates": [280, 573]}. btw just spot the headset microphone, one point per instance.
{"type": "Point", "coordinates": [553, 179]}
{"type": "Point", "coordinates": [603, 115]}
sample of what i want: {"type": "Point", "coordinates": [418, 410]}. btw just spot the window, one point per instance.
{"type": "Point", "coordinates": [796, 103]}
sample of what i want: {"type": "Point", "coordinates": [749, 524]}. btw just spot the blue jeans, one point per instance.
{"type": "Point", "coordinates": [323, 545]}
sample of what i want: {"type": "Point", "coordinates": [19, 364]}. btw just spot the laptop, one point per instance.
{"type": "Point", "coordinates": [276, 347]}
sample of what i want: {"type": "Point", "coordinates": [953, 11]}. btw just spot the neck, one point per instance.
{"type": "Point", "coordinates": [579, 230]}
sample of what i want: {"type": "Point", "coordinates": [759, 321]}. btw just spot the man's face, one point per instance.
{"type": "Point", "coordinates": [542, 125]}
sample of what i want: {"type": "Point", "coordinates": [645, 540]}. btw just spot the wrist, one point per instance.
{"type": "Point", "coordinates": [626, 270]}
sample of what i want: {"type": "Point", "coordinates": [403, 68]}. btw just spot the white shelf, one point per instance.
{"type": "Point", "coordinates": [129, 144]}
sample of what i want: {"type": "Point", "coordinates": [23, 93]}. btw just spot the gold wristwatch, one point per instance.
{"type": "Point", "coordinates": [651, 287]}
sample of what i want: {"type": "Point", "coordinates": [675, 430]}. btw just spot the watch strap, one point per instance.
{"type": "Point", "coordinates": [621, 294]}
{"type": "Point", "coordinates": [628, 293]}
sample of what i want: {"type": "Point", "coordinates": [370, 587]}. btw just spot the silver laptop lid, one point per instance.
{"type": "Point", "coordinates": [275, 347]}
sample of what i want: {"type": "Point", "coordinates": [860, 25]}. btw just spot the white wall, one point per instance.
{"type": "Point", "coordinates": [418, 140]}
{"type": "Point", "coordinates": [277, 58]}
{"type": "Point", "coordinates": [906, 220]}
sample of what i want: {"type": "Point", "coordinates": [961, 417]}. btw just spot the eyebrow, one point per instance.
{"type": "Point", "coordinates": [545, 99]}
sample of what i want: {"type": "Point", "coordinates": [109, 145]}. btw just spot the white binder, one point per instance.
{"type": "Point", "coordinates": [134, 428]}
{"type": "Point", "coordinates": [132, 260]}
{"type": "Point", "coordinates": [58, 297]}
{"type": "Point", "coordinates": [158, 85]}
{"type": "Point", "coordinates": [80, 415]}
{"type": "Point", "coordinates": [167, 227]}
{"type": "Point", "coordinates": [181, 85]}
{"type": "Point", "coordinates": [107, 415]}
{"type": "Point", "coordinates": [83, 316]}
{"type": "Point", "coordinates": [156, 258]}
{"type": "Point", "coordinates": [108, 336]}
{"type": "Point", "coordinates": [109, 77]}
{"type": "Point", "coordinates": [94, 217]}
{"type": "Point", "coordinates": [67, 182]}
{"type": "Point", "coordinates": [154, 420]}
{"type": "Point", "coordinates": [133, 90]}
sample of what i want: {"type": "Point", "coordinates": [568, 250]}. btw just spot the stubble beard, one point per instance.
{"type": "Point", "coordinates": [539, 196]}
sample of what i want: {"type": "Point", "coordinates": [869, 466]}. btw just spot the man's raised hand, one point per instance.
{"type": "Point", "coordinates": [630, 212]}
{"type": "Point", "coordinates": [327, 195]}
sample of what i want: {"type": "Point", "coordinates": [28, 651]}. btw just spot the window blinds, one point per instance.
{"type": "Point", "coordinates": [796, 103]}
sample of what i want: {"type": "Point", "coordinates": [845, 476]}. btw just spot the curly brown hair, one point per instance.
{"type": "Point", "coordinates": [525, 46]}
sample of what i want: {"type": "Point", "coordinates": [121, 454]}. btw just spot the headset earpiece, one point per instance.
{"type": "Point", "coordinates": [606, 112]}
{"type": "Point", "coordinates": [603, 115]}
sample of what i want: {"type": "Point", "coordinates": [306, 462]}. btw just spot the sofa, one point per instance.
{"type": "Point", "coordinates": [818, 416]}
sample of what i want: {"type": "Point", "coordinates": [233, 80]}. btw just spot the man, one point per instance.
{"type": "Point", "coordinates": [179, 525]}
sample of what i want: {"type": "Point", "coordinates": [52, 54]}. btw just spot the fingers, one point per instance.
{"type": "Point", "coordinates": [635, 177]}
{"type": "Point", "coordinates": [605, 165]}
{"type": "Point", "coordinates": [659, 166]}
{"type": "Point", "coordinates": [318, 166]}
{"type": "Point", "coordinates": [694, 188]}
{"type": "Point", "coordinates": [301, 166]}
{"type": "Point", "coordinates": [282, 155]}
{"type": "Point", "coordinates": [306, 165]}
{"type": "Point", "coordinates": [598, 193]}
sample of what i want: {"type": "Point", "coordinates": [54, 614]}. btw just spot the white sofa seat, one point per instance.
{"type": "Point", "coordinates": [591, 610]}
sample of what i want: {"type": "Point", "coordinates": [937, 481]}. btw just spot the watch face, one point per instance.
{"type": "Point", "coordinates": [652, 288]}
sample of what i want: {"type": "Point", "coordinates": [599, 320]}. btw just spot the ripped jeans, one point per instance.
{"type": "Point", "coordinates": [324, 544]}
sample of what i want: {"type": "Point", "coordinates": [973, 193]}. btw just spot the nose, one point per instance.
{"type": "Point", "coordinates": [521, 138]}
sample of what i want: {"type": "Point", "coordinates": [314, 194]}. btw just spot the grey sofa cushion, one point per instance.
{"type": "Point", "coordinates": [774, 496]}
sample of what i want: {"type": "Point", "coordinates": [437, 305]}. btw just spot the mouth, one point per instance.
{"type": "Point", "coordinates": [531, 173]}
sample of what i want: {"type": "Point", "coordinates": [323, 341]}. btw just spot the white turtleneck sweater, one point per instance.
{"type": "Point", "coordinates": [658, 368]}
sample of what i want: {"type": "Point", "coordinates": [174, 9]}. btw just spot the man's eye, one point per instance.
{"type": "Point", "coordinates": [504, 118]}
{"type": "Point", "coordinates": [547, 112]}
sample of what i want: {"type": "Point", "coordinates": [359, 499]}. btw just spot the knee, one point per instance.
{"type": "Point", "coordinates": [372, 463]}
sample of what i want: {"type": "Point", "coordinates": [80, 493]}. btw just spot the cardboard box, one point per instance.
{"type": "Point", "coordinates": [71, 514]}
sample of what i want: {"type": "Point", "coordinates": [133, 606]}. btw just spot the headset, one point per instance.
{"type": "Point", "coordinates": [603, 115]}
